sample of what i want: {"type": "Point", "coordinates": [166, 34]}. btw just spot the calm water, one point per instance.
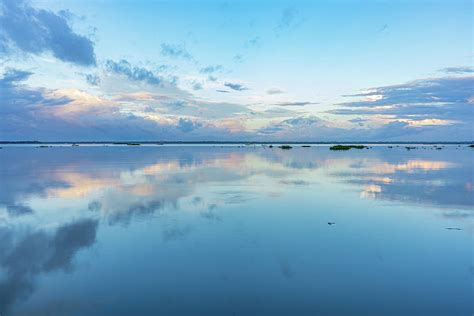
{"type": "Point", "coordinates": [202, 230]}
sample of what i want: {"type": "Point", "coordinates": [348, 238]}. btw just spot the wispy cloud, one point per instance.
{"type": "Point", "coordinates": [458, 70]}
{"type": "Point", "coordinates": [235, 86]}
{"type": "Point", "coordinates": [272, 91]}
{"type": "Point", "coordinates": [134, 73]}
{"type": "Point", "coordinates": [92, 79]}
{"type": "Point", "coordinates": [289, 18]}
{"type": "Point", "coordinates": [175, 51]}
{"type": "Point", "coordinates": [196, 85]}
{"type": "Point", "coordinates": [210, 69]}
{"type": "Point", "coordinates": [296, 103]}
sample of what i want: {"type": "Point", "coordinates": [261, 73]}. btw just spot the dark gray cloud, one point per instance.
{"type": "Point", "coordinates": [36, 31]}
{"type": "Point", "coordinates": [274, 91]}
{"type": "Point", "coordinates": [175, 51]}
{"type": "Point", "coordinates": [210, 69]}
{"type": "Point", "coordinates": [297, 103]}
{"type": "Point", "coordinates": [235, 86]}
{"type": "Point", "coordinates": [458, 70]}
{"type": "Point", "coordinates": [133, 73]}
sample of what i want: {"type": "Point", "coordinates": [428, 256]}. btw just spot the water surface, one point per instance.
{"type": "Point", "coordinates": [229, 230]}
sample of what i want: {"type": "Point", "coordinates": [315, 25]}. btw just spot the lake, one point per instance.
{"type": "Point", "coordinates": [236, 230]}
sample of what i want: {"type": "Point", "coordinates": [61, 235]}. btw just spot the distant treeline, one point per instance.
{"type": "Point", "coordinates": [235, 142]}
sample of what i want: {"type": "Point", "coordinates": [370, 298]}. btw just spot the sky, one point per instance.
{"type": "Point", "coordinates": [236, 70]}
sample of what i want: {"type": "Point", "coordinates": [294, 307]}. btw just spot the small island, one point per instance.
{"type": "Point", "coordinates": [347, 147]}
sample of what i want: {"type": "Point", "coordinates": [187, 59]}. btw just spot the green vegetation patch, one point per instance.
{"type": "Point", "coordinates": [347, 147]}
{"type": "Point", "coordinates": [126, 143]}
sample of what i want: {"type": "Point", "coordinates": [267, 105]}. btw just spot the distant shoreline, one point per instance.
{"type": "Point", "coordinates": [235, 142]}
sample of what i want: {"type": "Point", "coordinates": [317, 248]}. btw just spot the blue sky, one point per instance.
{"type": "Point", "coordinates": [236, 70]}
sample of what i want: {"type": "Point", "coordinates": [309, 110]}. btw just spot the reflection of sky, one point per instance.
{"type": "Point", "coordinates": [259, 210]}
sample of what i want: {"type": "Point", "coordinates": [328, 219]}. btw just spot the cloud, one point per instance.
{"type": "Point", "coordinates": [359, 121]}
{"type": "Point", "coordinates": [300, 103]}
{"type": "Point", "coordinates": [19, 210]}
{"type": "Point", "coordinates": [210, 69]}
{"type": "Point", "coordinates": [287, 127]}
{"type": "Point", "coordinates": [458, 70]}
{"type": "Point", "coordinates": [133, 73]}
{"type": "Point", "coordinates": [12, 75]}
{"type": "Point", "coordinates": [36, 31]}
{"type": "Point", "coordinates": [256, 41]}
{"type": "Point", "coordinates": [289, 18]}
{"type": "Point", "coordinates": [175, 51]}
{"type": "Point", "coordinates": [196, 85]}
{"type": "Point", "coordinates": [235, 86]}
{"type": "Point", "coordinates": [92, 79]}
{"type": "Point", "coordinates": [272, 91]}
{"type": "Point", "coordinates": [187, 125]}
{"type": "Point", "coordinates": [17, 99]}
{"type": "Point", "coordinates": [439, 100]}
{"type": "Point", "coordinates": [383, 28]}
{"type": "Point", "coordinates": [146, 112]}
{"type": "Point", "coordinates": [238, 58]}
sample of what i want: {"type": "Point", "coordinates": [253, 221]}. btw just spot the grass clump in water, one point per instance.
{"type": "Point", "coordinates": [347, 147]}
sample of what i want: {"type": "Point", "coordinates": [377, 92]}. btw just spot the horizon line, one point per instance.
{"type": "Point", "coordinates": [123, 142]}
